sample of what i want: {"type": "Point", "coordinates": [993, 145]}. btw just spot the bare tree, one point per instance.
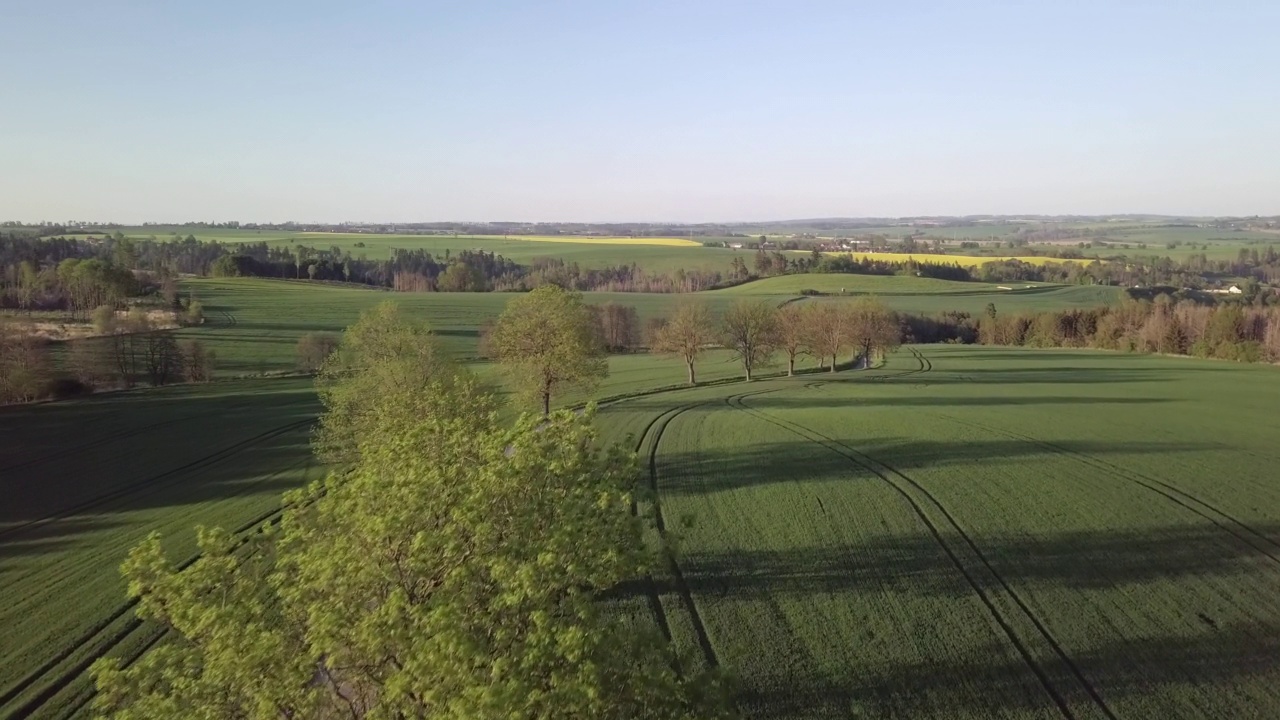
{"type": "Point", "coordinates": [872, 328]}
{"type": "Point", "coordinates": [792, 325]}
{"type": "Point", "coordinates": [826, 331]}
{"type": "Point", "coordinates": [750, 331]}
{"type": "Point", "coordinates": [197, 361]}
{"type": "Point", "coordinates": [686, 334]}
{"type": "Point", "coordinates": [313, 349]}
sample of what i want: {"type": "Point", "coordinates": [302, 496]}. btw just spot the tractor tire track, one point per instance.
{"type": "Point", "coordinates": [110, 642]}
{"type": "Point", "coordinates": [888, 475]}
{"type": "Point", "coordinates": [682, 587]}
{"type": "Point", "coordinates": [1182, 498]}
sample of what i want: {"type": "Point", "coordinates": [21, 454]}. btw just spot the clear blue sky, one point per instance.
{"type": "Point", "coordinates": [664, 111]}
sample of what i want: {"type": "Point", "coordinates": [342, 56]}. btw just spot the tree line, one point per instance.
{"type": "Point", "coordinates": [129, 350]}
{"type": "Point", "coordinates": [1228, 331]}
{"type": "Point", "coordinates": [449, 565]}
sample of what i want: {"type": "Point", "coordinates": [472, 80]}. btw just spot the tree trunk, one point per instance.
{"type": "Point", "coordinates": [833, 363]}
{"type": "Point", "coordinates": [748, 369]}
{"type": "Point", "coordinates": [546, 402]}
{"type": "Point", "coordinates": [691, 380]}
{"type": "Point", "coordinates": [791, 365]}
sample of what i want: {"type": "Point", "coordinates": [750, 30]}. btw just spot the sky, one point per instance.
{"type": "Point", "coordinates": [685, 111]}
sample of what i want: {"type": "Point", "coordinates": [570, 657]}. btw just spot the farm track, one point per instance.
{"type": "Point", "coordinates": [103, 640]}
{"type": "Point", "coordinates": [682, 587]}
{"type": "Point", "coordinates": [903, 486]}
{"type": "Point", "coordinates": [1215, 515]}
{"type": "Point", "coordinates": [160, 481]}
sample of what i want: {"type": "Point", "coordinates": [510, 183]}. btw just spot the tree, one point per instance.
{"type": "Point", "coordinates": [25, 365]}
{"type": "Point", "coordinates": [453, 571]}
{"type": "Point", "coordinates": [873, 328]}
{"type": "Point", "coordinates": [197, 361]}
{"type": "Point", "coordinates": [792, 326]}
{"type": "Point", "coordinates": [313, 349]}
{"type": "Point", "coordinates": [92, 363]}
{"type": "Point", "coordinates": [826, 331]}
{"type": "Point", "coordinates": [688, 332]}
{"type": "Point", "coordinates": [750, 331]}
{"type": "Point", "coordinates": [617, 325]}
{"type": "Point", "coordinates": [163, 359]}
{"type": "Point", "coordinates": [547, 341]}
{"type": "Point", "coordinates": [384, 353]}
{"type": "Point", "coordinates": [195, 312]}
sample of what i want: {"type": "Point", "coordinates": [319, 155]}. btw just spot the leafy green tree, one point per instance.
{"type": "Point", "coordinates": [384, 352]}
{"type": "Point", "coordinates": [751, 331]}
{"type": "Point", "coordinates": [548, 341]}
{"type": "Point", "coordinates": [686, 334]}
{"type": "Point", "coordinates": [452, 571]}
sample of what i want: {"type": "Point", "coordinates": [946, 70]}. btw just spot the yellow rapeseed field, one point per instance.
{"type": "Point", "coordinates": [964, 260]}
{"type": "Point", "coordinates": [601, 240]}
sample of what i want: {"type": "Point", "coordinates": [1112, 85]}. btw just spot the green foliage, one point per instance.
{"type": "Point", "coordinates": [385, 354]}
{"type": "Point", "coordinates": [547, 339]}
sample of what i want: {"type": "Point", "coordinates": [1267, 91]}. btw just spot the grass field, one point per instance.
{"type": "Point", "coordinates": [977, 533]}
{"type": "Point", "coordinates": [85, 481]}
{"type": "Point", "coordinates": [964, 532]}
{"type": "Point", "coordinates": [652, 254]}
{"type": "Point", "coordinates": [254, 324]}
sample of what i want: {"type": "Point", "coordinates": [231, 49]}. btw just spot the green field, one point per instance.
{"type": "Point", "coordinates": [85, 481]}
{"type": "Point", "coordinates": [254, 324]}
{"type": "Point", "coordinates": [977, 533]}
{"type": "Point", "coordinates": [964, 532]}
{"type": "Point", "coordinates": [656, 258]}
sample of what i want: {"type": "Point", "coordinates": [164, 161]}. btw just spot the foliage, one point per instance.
{"type": "Point", "coordinates": [547, 340]}
{"type": "Point", "coordinates": [385, 353]}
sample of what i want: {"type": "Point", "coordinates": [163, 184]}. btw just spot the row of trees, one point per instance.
{"type": "Point", "coordinates": [449, 565]}
{"type": "Point", "coordinates": [757, 331]}
{"type": "Point", "coordinates": [1229, 331]}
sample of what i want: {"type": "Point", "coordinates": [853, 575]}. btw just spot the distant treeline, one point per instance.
{"type": "Point", "coordinates": [23, 253]}
{"type": "Point", "coordinates": [1229, 331]}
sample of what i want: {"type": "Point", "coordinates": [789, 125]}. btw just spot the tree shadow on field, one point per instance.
{"type": "Point", "coordinates": [854, 401]}
{"type": "Point", "coordinates": [161, 454]}
{"type": "Point", "coordinates": [1204, 648]}
{"type": "Point", "coordinates": [918, 564]}
{"type": "Point", "coordinates": [1175, 676]}
{"type": "Point", "coordinates": [787, 458]}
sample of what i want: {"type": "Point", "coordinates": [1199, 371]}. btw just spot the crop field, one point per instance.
{"type": "Point", "coordinates": [254, 324]}
{"type": "Point", "coordinates": [85, 481]}
{"type": "Point", "coordinates": [962, 532]}
{"type": "Point", "coordinates": [974, 532]}
{"type": "Point", "coordinates": [653, 254]}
